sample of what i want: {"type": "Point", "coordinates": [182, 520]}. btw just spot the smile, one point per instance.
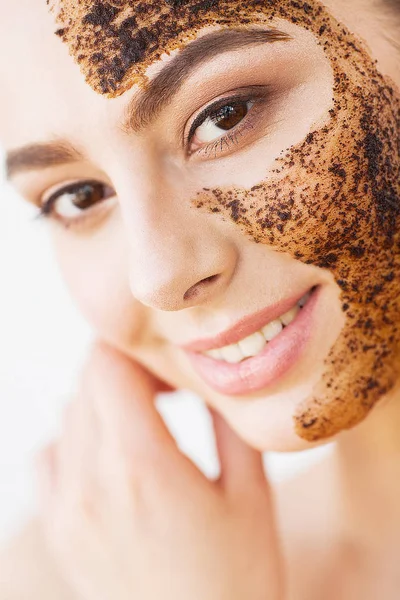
{"type": "Point", "coordinates": [255, 343]}
{"type": "Point", "coordinates": [259, 350]}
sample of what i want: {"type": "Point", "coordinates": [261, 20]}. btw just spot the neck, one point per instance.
{"type": "Point", "coordinates": [367, 464]}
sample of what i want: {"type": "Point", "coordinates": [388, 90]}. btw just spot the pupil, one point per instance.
{"type": "Point", "coordinates": [86, 195]}
{"type": "Point", "coordinates": [229, 116]}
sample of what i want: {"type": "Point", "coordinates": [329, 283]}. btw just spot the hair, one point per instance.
{"type": "Point", "coordinates": [389, 13]}
{"type": "Point", "coordinates": [392, 7]}
{"type": "Point", "coordinates": [393, 4]}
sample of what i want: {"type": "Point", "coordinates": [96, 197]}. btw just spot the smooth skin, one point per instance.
{"type": "Point", "coordinates": [129, 516]}
{"type": "Point", "coordinates": [332, 533]}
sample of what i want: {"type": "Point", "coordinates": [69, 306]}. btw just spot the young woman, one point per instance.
{"type": "Point", "coordinates": [222, 181]}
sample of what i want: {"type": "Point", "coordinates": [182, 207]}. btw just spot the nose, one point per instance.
{"type": "Point", "coordinates": [179, 256]}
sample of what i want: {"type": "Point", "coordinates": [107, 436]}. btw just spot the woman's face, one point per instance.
{"type": "Point", "coordinates": [235, 174]}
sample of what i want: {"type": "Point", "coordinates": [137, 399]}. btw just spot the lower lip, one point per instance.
{"type": "Point", "coordinates": [264, 370]}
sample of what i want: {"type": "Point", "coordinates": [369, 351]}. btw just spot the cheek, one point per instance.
{"type": "Point", "coordinates": [334, 201]}
{"type": "Point", "coordinates": [95, 270]}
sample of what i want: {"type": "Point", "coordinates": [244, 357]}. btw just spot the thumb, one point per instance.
{"type": "Point", "coordinates": [241, 465]}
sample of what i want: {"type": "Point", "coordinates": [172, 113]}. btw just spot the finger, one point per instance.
{"type": "Point", "coordinates": [123, 395]}
{"type": "Point", "coordinates": [241, 465]}
{"type": "Point", "coordinates": [77, 448]}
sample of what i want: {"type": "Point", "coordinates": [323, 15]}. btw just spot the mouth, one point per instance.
{"type": "Point", "coordinates": [259, 350]}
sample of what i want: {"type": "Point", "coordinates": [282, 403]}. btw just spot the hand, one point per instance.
{"type": "Point", "coordinates": [129, 517]}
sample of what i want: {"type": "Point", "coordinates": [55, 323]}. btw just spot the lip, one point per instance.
{"type": "Point", "coordinates": [261, 371]}
{"type": "Point", "coordinates": [245, 326]}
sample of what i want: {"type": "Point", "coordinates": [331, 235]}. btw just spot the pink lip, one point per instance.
{"type": "Point", "coordinates": [244, 327]}
{"type": "Point", "coordinates": [265, 369]}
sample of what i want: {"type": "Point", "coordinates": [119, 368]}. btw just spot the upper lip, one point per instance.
{"type": "Point", "coordinates": [245, 327]}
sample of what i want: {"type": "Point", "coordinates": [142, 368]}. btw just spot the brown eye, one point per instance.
{"type": "Point", "coordinates": [230, 116]}
{"type": "Point", "coordinates": [71, 201]}
{"type": "Point", "coordinates": [225, 118]}
{"type": "Point", "coordinates": [87, 195]}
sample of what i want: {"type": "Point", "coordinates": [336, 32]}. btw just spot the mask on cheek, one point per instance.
{"type": "Point", "coordinates": [332, 201]}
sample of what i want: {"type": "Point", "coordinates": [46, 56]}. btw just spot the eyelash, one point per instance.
{"type": "Point", "coordinates": [46, 210]}
{"type": "Point", "coordinates": [232, 137]}
{"type": "Point", "coordinates": [255, 96]}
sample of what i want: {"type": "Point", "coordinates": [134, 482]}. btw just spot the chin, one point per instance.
{"type": "Point", "coordinates": [265, 421]}
{"type": "Point", "coordinates": [275, 435]}
{"type": "Point", "coordinates": [268, 423]}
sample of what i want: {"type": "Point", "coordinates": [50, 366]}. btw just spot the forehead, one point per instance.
{"type": "Point", "coordinates": [115, 41]}
{"type": "Point", "coordinates": [45, 89]}
{"type": "Point", "coordinates": [37, 72]}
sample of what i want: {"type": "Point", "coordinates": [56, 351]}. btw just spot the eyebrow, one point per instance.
{"type": "Point", "coordinates": [40, 156]}
{"type": "Point", "coordinates": [142, 109]}
{"type": "Point", "coordinates": [161, 90]}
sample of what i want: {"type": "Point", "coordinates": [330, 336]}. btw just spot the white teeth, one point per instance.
{"type": "Point", "coordinates": [255, 343]}
{"type": "Point", "coordinates": [252, 345]}
{"type": "Point", "coordinates": [216, 354]}
{"type": "Point", "coordinates": [291, 314]}
{"type": "Point", "coordinates": [232, 354]}
{"type": "Point", "coordinates": [271, 330]}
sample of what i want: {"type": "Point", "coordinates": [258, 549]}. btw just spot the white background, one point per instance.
{"type": "Point", "coordinates": [43, 341]}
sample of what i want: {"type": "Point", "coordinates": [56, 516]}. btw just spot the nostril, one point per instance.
{"type": "Point", "coordinates": [196, 289]}
{"type": "Point", "coordinates": [208, 279]}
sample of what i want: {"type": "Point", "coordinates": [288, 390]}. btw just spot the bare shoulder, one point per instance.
{"type": "Point", "coordinates": [27, 571]}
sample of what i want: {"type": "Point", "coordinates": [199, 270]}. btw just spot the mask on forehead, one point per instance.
{"type": "Point", "coordinates": [332, 201]}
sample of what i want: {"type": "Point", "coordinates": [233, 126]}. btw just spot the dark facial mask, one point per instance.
{"type": "Point", "coordinates": [332, 201]}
